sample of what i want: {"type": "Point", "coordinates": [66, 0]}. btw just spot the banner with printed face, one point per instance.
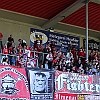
{"type": "Point", "coordinates": [92, 97]}
{"type": "Point", "coordinates": [61, 40]}
{"type": "Point", "coordinates": [13, 83]}
{"type": "Point", "coordinates": [41, 84]}
{"type": "Point", "coordinates": [64, 96]}
{"type": "Point", "coordinates": [75, 83]}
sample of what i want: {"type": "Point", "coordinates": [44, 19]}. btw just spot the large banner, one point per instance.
{"type": "Point", "coordinates": [75, 83]}
{"type": "Point", "coordinates": [64, 96]}
{"type": "Point", "coordinates": [41, 84]}
{"type": "Point", "coordinates": [92, 97]}
{"type": "Point", "coordinates": [60, 40]}
{"type": "Point", "coordinates": [92, 44]}
{"type": "Point", "coordinates": [13, 84]}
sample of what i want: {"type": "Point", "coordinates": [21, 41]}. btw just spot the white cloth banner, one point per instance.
{"type": "Point", "coordinates": [92, 97]}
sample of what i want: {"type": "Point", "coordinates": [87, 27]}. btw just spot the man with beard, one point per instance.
{"type": "Point", "coordinates": [40, 83]}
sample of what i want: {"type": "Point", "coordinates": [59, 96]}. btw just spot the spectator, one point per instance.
{"type": "Point", "coordinates": [86, 70]}
{"type": "Point", "coordinates": [47, 49]}
{"type": "Point", "coordinates": [63, 56]}
{"type": "Point", "coordinates": [81, 54]}
{"type": "Point", "coordinates": [59, 63]}
{"type": "Point", "coordinates": [74, 69]}
{"type": "Point", "coordinates": [27, 51]}
{"type": "Point", "coordinates": [64, 62]}
{"type": "Point", "coordinates": [40, 50]}
{"type": "Point", "coordinates": [81, 70]}
{"type": "Point", "coordinates": [55, 67]}
{"type": "Point", "coordinates": [5, 50]}
{"type": "Point", "coordinates": [19, 47]}
{"type": "Point", "coordinates": [59, 52]}
{"type": "Point", "coordinates": [22, 62]}
{"type": "Point", "coordinates": [69, 66]}
{"type": "Point", "coordinates": [13, 60]}
{"type": "Point", "coordinates": [10, 41]}
{"type": "Point", "coordinates": [89, 71]}
{"type": "Point", "coordinates": [29, 63]}
{"type": "Point", "coordinates": [72, 63]}
{"type": "Point", "coordinates": [69, 55]}
{"type": "Point", "coordinates": [70, 46]}
{"type": "Point", "coordinates": [49, 57]}
{"type": "Point", "coordinates": [63, 68]}
{"type": "Point", "coordinates": [41, 66]}
{"type": "Point", "coordinates": [55, 60]}
{"type": "Point", "coordinates": [5, 61]}
{"type": "Point", "coordinates": [91, 58]}
{"type": "Point", "coordinates": [14, 51]}
{"type": "Point", "coordinates": [93, 67]}
{"type": "Point", "coordinates": [86, 64]}
{"type": "Point", "coordinates": [22, 42]}
{"type": "Point", "coordinates": [53, 47]}
{"type": "Point", "coordinates": [35, 46]}
{"type": "Point", "coordinates": [46, 66]}
{"type": "Point", "coordinates": [68, 70]}
{"type": "Point", "coordinates": [74, 52]}
{"type": "Point", "coordinates": [68, 61]}
{"type": "Point", "coordinates": [78, 63]}
{"type": "Point", "coordinates": [98, 70]}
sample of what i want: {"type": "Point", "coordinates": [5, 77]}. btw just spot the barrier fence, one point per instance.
{"type": "Point", "coordinates": [42, 84]}
{"type": "Point", "coordinates": [38, 58]}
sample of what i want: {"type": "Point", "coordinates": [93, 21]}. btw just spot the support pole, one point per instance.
{"type": "Point", "coordinates": [86, 29]}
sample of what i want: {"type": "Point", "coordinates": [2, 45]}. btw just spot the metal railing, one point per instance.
{"type": "Point", "coordinates": [41, 57]}
{"type": "Point", "coordinates": [12, 59]}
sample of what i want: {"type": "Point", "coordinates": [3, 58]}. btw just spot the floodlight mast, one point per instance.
{"type": "Point", "coordinates": [86, 2]}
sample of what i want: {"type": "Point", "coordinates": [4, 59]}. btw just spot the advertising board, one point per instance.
{"type": "Point", "coordinates": [61, 40]}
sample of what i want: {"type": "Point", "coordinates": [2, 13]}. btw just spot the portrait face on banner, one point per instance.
{"type": "Point", "coordinates": [39, 83]}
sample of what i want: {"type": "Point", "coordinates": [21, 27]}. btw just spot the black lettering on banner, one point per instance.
{"type": "Point", "coordinates": [5, 99]}
{"type": "Point", "coordinates": [19, 99]}
{"type": "Point", "coordinates": [13, 99]}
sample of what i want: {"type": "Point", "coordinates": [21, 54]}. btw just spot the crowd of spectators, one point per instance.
{"type": "Point", "coordinates": [49, 57]}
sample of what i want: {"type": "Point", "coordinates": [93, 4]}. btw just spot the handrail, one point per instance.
{"type": "Point", "coordinates": [15, 55]}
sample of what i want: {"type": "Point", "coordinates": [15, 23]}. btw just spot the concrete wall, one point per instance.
{"type": "Point", "coordinates": [22, 30]}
